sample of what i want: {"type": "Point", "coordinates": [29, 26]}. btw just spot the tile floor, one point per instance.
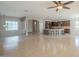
{"type": "Point", "coordinates": [39, 45]}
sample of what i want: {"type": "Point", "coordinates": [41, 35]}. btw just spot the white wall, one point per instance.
{"type": "Point", "coordinates": [41, 26]}
{"type": "Point", "coordinates": [76, 30]}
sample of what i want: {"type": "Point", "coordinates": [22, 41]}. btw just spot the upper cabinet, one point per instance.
{"type": "Point", "coordinates": [66, 23]}
{"type": "Point", "coordinates": [57, 24]}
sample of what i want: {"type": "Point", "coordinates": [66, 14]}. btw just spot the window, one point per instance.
{"type": "Point", "coordinates": [11, 25]}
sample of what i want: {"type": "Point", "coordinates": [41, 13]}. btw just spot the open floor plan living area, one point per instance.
{"type": "Point", "coordinates": [39, 28]}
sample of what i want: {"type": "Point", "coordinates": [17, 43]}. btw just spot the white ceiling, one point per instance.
{"type": "Point", "coordinates": [37, 9]}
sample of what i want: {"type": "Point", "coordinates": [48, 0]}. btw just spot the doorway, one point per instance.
{"type": "Point", "coordinates": [35, 26]}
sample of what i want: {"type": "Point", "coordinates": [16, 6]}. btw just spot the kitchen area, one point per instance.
{"type": "Point", "coordinates": [57, 27]}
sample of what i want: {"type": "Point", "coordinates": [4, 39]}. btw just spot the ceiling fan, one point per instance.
{"type": "Point", "coordinates": [60, 5]}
